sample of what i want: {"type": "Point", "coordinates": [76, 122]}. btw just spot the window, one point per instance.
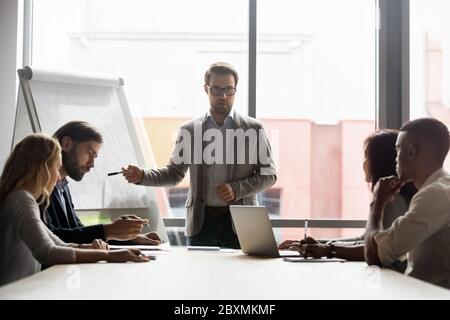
{"type": "Point", "coordinates": [316, 93]}
{"type": "Point", "coordinates": [430, 61]}
{"type": "Point", "coordinates": [161, 49]}
{"type": "Point", "coordinates": [316, 83]}
{"type": "Point", "coordinates": [271, 200]}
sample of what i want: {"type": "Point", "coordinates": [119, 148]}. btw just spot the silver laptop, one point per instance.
{"type": "Point", "coordinates": [254, 231]}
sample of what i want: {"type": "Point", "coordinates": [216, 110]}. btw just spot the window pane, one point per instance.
{"type": "Point", "coordinates": [430, 61]}
{"type": "Point", "coordinates": [161, 49]}
{"type": "Point", "coordinates": [316, 93]}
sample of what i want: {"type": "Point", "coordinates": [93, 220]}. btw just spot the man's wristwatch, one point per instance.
{"type": "Point", "coordinates": [332, 253]}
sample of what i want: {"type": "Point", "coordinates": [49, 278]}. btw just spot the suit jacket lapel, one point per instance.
{"type": "Point", "coordinates": [201, 170]}
{"type": "Point", "coordinates": [62, 219]}
{"type": "Point", "coordinates": [238, 124]}
{"type": "Point", "coordinates": [70, 212]}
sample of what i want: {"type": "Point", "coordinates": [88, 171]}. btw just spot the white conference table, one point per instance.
{"type": "Point", "coordinates": [182, 274]}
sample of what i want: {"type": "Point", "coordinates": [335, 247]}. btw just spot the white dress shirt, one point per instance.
{"type": "Point", "coordinates": [423, 232]}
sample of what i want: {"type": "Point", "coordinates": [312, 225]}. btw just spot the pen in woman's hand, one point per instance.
{"type": "Point", "coordinates": [306, 230]}
{"type": "Point", "coordinates": [304, 237]}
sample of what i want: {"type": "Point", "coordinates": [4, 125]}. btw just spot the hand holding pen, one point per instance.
{"type": "Point", "coordinates": [133, 174]}
{"type": "Point", "coordinates": [125, 228]}
{"type": "Point", "coordinates": [134, 217]}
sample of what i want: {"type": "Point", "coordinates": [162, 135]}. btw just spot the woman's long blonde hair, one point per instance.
{"type": "Point", "coordinates": [29, 165]}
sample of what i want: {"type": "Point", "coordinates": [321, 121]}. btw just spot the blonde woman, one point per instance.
{"type": "Point", "coordinates": [27, 180]}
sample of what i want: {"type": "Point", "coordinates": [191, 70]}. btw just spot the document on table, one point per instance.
{"type": "Point", "coordinates": [161, 247]}
{"type": "Point", "coordinates": [210, 248]}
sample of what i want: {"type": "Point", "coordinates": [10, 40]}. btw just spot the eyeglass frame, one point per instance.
{"type": "Point", "coordinates": [222, 90]}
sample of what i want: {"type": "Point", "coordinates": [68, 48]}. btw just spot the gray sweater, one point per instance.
{"type": "Point", "coordinates": [25, 241]}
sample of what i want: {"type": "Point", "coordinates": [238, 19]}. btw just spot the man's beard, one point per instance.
{"type": "Point", "coordinates": [71, 166]}
{"type": "Point", "coordinates": [222, 108]}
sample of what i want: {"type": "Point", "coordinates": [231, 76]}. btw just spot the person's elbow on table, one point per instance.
{"type": "Point", "coordinates": [371, 251]}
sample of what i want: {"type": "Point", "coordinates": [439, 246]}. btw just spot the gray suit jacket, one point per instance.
{"type": "Point", "coordinates": [246, 179]}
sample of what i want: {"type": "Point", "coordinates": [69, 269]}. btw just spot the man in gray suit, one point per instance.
{"type": "Point", "coordinates": [229, 159]}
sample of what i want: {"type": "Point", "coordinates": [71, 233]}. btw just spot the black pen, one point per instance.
{"type": "Point", "coordinates": [114, 173]}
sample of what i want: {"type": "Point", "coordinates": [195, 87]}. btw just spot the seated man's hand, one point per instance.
{"type": "Point", "coordinates": [131, 217]}
{"type": "Point", "coordinates": [124, 228]}
{"type": "Point", "coordinates": [386, 188]}
{"type": "Point", "coordinates": [149, 238]}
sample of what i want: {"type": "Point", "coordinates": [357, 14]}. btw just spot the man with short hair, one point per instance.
{"type": "Point", "coordinates": [424, 231]}
{"type": "Point", "coordinates": [221, 174]}
{"type": "Point", "coordinates": [80, 144]}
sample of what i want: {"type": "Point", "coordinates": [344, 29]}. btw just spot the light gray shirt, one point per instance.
{"type": "Point", "coordinates": [25, 241]}
{"type": "Point", "coordinates": [216, 174]}
{"type": "Point", "coordinates": [423, 232]}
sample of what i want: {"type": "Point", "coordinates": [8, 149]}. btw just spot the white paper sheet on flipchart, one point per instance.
{"type": "Point", "coordinates": [58, 101]}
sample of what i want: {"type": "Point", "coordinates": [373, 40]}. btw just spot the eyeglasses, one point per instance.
{"type": "Point", "coordinates": [218, 91]}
